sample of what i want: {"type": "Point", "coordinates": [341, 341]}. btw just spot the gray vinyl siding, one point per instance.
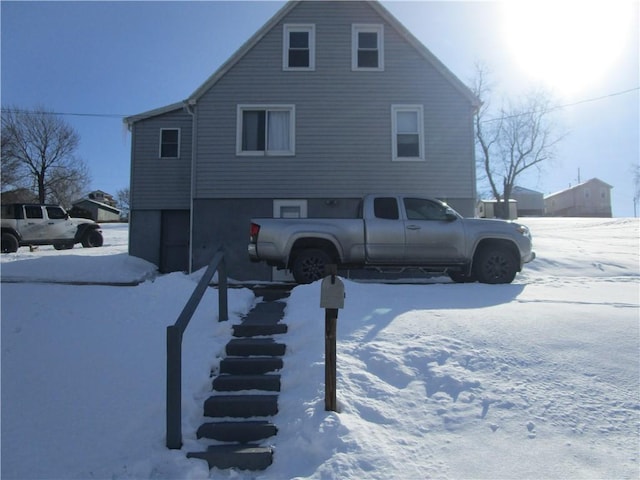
{"type": "Point", "coordinates": [343, 133]}
{"type": "Point", "coordinates": [161, 183]}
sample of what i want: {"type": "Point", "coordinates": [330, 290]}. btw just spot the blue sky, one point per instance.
{"type": "Point", "coordinates": [115, 59]}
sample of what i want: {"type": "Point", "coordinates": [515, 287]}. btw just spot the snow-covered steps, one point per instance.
{"type": "Point", "coordinates": [245, 457]}
{"type": "Point", "coordinates": [245, 392]}
{"type": "Point", "coordinates": [250, 365]}
{"type": "Point", "coordinates": [241, 406]}
{"type": "Point", "coordinates": [242, 431]}
{"type": "Point", "coordinates": [235, 383]}
{"type": "Point", "coordinates": [255, 347]}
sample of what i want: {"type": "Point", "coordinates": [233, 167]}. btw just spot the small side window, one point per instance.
{"type": "Point", "coordinates": [33, 211]}
{"type": "Point", "coordinates": [386, 208]}
{"type": "Point", "coordinates": [169, 143]}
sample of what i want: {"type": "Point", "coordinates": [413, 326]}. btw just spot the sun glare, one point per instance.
{"type": "Point", "coordinates": [568, 45]}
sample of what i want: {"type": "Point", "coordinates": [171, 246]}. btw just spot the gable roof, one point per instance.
{"type": "Point", "coordinates": [273, 21]}
{"type": "Point", "coordinates": [383, 12]}
{"type": "Point", "coordinates": [153, 113]}
{"type": "Point", "coordinates": [526, 191]}
{"type": "Point", "coordinates": [100, 205]}
{"type": "Point", "coordinates": [579, 186]}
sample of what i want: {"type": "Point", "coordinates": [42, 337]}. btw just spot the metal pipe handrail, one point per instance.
{"type": "Point", "coordinates": [174, 344]}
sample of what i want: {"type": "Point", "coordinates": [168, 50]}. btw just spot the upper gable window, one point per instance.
{"type": "Point", "coordinates": [407, 132]}
{"type": "Point", "coordinates": [299, 45]}
{"type": "Point", "coordinates": [265, 130]}
{"type": "Point", "coordinates": [169, 143]}
{"type": "Point", "coordinates": [367, 47]}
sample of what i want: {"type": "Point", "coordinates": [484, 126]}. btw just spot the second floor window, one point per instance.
{"type": "Point", "coordinates": [266, 130]}
{"type": "Point", "coordinates": [169, 143]}
{"type": "Point", "coordinates": [299, 47]}
{"type": "Point", "coordinates": [407, 134]}
{"type": "Point", "coordinates": [367, 47]}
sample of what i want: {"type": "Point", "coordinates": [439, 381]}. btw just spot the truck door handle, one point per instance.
{"type": "Point", "coordinates": [413, 227]}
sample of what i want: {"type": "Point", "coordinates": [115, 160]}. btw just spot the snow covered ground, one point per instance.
{"type": "Point", "coordinates": [537, 379]}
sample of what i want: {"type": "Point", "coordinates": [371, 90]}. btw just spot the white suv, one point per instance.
{"type": "Point", "coordinates": [34, 224]}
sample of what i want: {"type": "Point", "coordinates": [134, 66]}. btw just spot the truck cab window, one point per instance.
{"type": "Point", "coordinates": [386, 208]}
{"type": "Point", "coordinates": [56, 213]}
{"type": "Point", "coordinates": [423, 209]}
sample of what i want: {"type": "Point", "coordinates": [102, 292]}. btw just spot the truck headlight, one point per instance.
{"type": "Point", "coordinates": [523, 230]}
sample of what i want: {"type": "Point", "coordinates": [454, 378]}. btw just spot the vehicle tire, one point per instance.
{"type": "Point", "coordinates": [9, 243]}
{"type": "Point", "coordinates": [63, 246]}
{"type": "Point", "coordinates": [92, 238]}
{"type": "Point", "coordinates": [462, 277]}
{"type": "Point", "coordinates": [309, 265]}
{"type": "Point", "coordinates": [495, 265]}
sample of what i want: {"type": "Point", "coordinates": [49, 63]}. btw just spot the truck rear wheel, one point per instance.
{"type": "Point", "coordinates": [309, 265]}
{"type": "Point", "coordinates": [9, 243]}
{"type": "Point", "coordinates": [495, 265]}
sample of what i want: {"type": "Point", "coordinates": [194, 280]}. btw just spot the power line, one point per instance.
{"type": "Point", "coordinates": [120, 116]}
{"type": "Point", "coordinates": [63, 114]}
{"type": "Point", "coordinates": [566, 105]}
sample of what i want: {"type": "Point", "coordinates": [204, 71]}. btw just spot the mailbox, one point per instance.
{"type": "Point", "coordinates": [332, 293]}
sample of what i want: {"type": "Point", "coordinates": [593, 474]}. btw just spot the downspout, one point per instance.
{"type": "Point", "coordinates": [189, 107]}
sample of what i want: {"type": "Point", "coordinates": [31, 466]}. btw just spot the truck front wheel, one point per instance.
{"type": "Point", "coordinates": [9, 243]}
{"type": "Point", "coordinates": [92, 238]}
{"type": "Point", "coordinates": [495, 265]}
{"type": "Point", "coordinates": [309, 265]}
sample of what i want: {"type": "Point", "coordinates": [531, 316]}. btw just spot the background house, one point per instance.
{"type": "Point", "coordinates": [530, 202]}
{"type": "Point", "coordinates": [588, 199]}
{"type": "Point", "coordinates": [327, 102]}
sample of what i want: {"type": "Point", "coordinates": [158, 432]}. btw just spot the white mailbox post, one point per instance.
{"type": "Point", "coordinates": [331, 299]}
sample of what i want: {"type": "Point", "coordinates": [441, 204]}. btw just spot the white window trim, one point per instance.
{"type": "Point", "coordinates": [278, 204]}
{"type": "Point", "coordinates": [310, 28]}
{"type": "Point", "coordinates": [160, 142]}
{"type": "Point", "coordinates": [395, 109]}
{"type": "Point", "coordinates": [367, 27]}
{"type": "Point", "coordinates": [267, 153]}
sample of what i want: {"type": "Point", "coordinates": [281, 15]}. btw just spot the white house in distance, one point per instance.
{"type": "Point", "coordinates": [588, 199]}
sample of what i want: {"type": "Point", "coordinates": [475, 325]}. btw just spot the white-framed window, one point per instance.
{"type": "Point", "coordinates": [265, 130]}
{"type": "Point", "coordinates": [169, 143]}
{"type": "Point", "coordinates": [407, 132]}
{"type": "Point", "coordinates": [299, 47]}
{"type": "Point", "coordinates": [367, 47]}
{"type": "Point", "coordinates": [289, 209]}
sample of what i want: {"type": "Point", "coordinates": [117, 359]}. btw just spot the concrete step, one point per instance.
{"type": "Point", "coordinates": [243, 457]}
{"type": "Point", "coordinates": [255, 347]}
{"type": "Point", "coordinates": [266, 312]}
{"type": "Point", "coordinates": [258, 330]}
{"type": "Point", "coordinates": [250, 365]}
{"type": "Point", "coordinates": [241, 406]}
{"type": "Point", "coordinates": [234, 383]}
{"type": "Point", "coordinates": [240, 432]}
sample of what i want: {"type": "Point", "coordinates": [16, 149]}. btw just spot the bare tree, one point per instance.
{"type": "Point", "coordinates": [518, 137]}
{"type": "Point", "coordinates": [635, 173]}
{"type": "Point", "coordinates": [39, 153]}
{"type": "Point", "coordinates": [122, 201]}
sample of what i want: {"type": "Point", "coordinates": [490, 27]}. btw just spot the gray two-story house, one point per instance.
{"type": "Point", "coordinates": [327, 102]}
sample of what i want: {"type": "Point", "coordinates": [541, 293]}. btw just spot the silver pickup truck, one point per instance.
{"type": "Point", "coordinates": [395, 231]}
